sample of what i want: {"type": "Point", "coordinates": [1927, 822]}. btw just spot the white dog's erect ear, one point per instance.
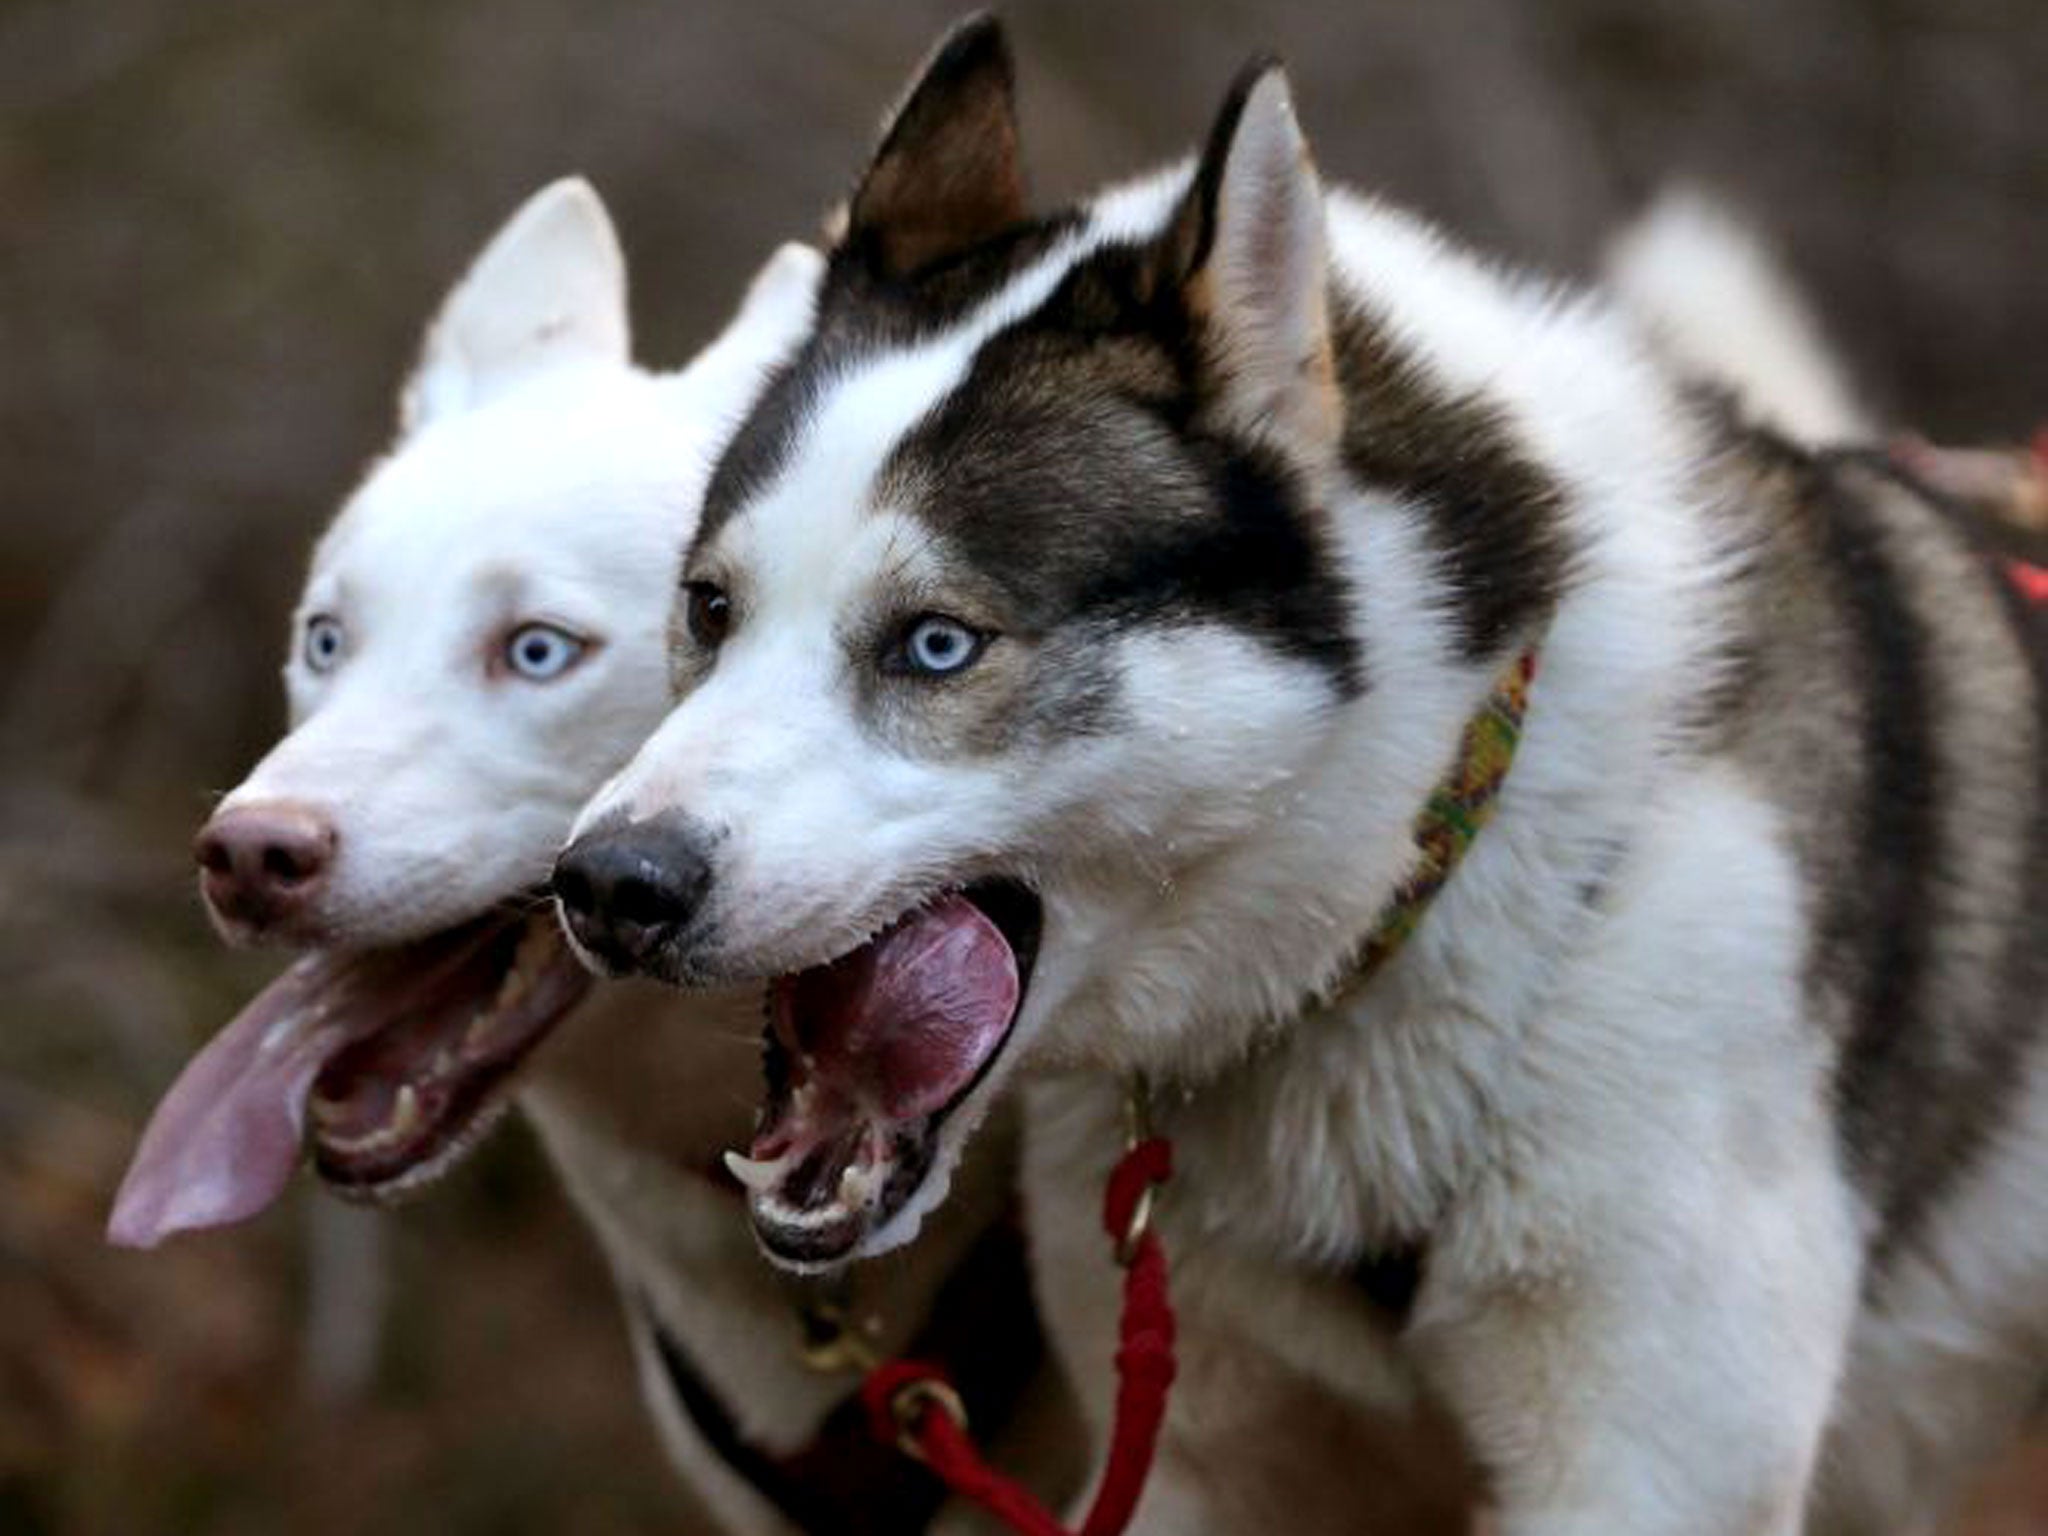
{"type": "Point", "coordinates": [783, 291]}
{"type": "Point", "coordinates": [947, 175]}
{"type": "Point", "coordinates": [772, 318]}
{"type": "Point", "coordinates": [549, 290]}
{"type": "Point", "coordinates": [1249, 248]}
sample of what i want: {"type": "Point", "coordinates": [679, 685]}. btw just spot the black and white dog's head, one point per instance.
{"type": "Point", "coordinates": [1016, 607]}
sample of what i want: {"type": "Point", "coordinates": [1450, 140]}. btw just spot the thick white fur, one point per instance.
{"type": "Point", "coordinates": [1718, 301]}
{"type": "Point", "coordinates": [539, 474]}
{"type": "Point", "coordinates": [1609, 1116]}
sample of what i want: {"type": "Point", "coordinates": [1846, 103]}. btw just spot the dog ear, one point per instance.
{"type": "Point", "coordinates": [549, 290]}
{"type": "Point", "coordinates": [947, 175]}
{"type": "Point", "coordinates": [781, 295]}
{"type": "Point", "coordinates": [1248, 248]}
{"type": "Point", "coordinates": [773, 316]}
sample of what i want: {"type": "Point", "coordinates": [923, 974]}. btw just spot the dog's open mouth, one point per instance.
{"type": "Point", "coordinates": [394, 1055]}
{"type": "Point", "coordinates": [866, 1057]}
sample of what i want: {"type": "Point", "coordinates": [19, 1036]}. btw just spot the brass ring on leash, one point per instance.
{"type": "Point", "coordinates": [834, 1342]}
{"type": "Point", "coordinates": [1134, 1234]}
{"type": "Point", "coordinates": [907, 1408]}
{"type": "Point", "coordinates": [1137, 1128]}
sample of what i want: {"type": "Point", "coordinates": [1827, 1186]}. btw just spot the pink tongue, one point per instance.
{"type": "Point", "coordinates": [902, 1025]}
{"type": "Point", "coordinates": [224, 1142]}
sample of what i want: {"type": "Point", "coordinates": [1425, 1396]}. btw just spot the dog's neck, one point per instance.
{"type": "Point", "coordinates": [1461, 804]}
{"type": "Point", "coordinates": [1629, 651]}
{"type": "Point", "coordinates": [1188, 979]}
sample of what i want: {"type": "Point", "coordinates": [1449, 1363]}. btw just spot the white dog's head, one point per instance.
{"type": "Point", "coordinates": [480, 641]}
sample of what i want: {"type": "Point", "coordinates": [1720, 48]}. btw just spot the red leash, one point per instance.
{"type": "Point", "coordinates": [913, 1407]}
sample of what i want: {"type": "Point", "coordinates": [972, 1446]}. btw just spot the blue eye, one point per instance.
{"type": "Point", "coordinates": [936, 645]}
{"type": "Point", "coordinates": [540, 652]}
{"type": "Point", "coordinates": [324, 642]}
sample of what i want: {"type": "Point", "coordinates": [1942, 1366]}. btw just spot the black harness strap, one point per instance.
{"type": "Point", "coordinates": [983, 1330]}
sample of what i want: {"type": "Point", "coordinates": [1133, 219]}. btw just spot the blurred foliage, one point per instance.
{"type": "Point", "coordinates": [226, 221]}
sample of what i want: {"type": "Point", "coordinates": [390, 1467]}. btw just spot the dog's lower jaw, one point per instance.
{"type": "Point", "coordinates": [904, 1219]}
{"type": "Point", "coordinates": [421, 1176]}
{"type": "Point", "coordinates": [896, 1230]}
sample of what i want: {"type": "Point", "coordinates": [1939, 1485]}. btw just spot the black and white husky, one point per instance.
{"type": "Point", "coordinates": [1075, 636]}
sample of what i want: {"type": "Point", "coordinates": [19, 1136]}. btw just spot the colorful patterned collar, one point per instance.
{"type": "Point", "coordinates": [1462, 802]}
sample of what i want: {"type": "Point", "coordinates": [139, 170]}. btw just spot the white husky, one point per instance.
{"type": "Point", "coordinates": [1143, 601]}
{"type": "Point", "coordinates": [480, 641]}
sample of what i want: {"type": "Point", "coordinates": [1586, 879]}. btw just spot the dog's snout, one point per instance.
{"type": "Point", "coordinates": [261, 866]}
{"type": "Point", "coordinates": [626, 891]}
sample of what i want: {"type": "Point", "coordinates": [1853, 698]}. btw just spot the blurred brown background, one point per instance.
{"type": "Point", "coordinates": [225, 221]}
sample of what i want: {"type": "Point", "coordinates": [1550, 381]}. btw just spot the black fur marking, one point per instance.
{"type": "Point", "coordinates": [1256, 569]}
{"type": "Point", "coordinates": [1883, 921]}
{"type": "Point", "coordinates": [761, 446]}
{"type": "Point", "coordinates": [1848, 665]}
{"type": "Point", "coordinates": [1494, 515]}
{"type": "Point", "coordinates": [1929, 1088]}
{"type": "Point", "coordinates": [862, 313]}
{"type": "Point", "coordinates": [1069, 469]}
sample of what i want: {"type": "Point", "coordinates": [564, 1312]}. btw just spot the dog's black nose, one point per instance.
{"type": "Point", "coordinates": [628, 889]}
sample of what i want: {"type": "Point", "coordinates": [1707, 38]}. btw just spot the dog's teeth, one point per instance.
{"type": "Point", "coordinates": [406, 1114]}
{"type": "Point", "coordinates": [327, 1112]}
{"type": "Point", "coordinates": [526, 960]}
{"type": "Point", "coordinates": [478, 1034]}
{"type": "Point", "coordinates": [859, 1185]}
{"type": "Point", "coordinates": [511, 989]}
{"type": "Point", "coordinates": [756, 1174]}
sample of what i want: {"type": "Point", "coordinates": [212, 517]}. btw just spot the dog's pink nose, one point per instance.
{"type": "Point", "coordinates": [261, 865]}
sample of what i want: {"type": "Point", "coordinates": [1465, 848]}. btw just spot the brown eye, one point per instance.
{"type": "Point", "coordinates": [708, 612]}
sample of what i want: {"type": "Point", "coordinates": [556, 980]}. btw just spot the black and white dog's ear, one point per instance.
{"type": "Point", "coordinates": [1248, 247]}
{"type": "Point", "coordinates": [947, 175]}
{"type": "Point", "coordinates": [547, 292]}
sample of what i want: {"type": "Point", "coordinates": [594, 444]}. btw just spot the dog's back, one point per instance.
{"type": "Point", "coordinates": [1889, 684]}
